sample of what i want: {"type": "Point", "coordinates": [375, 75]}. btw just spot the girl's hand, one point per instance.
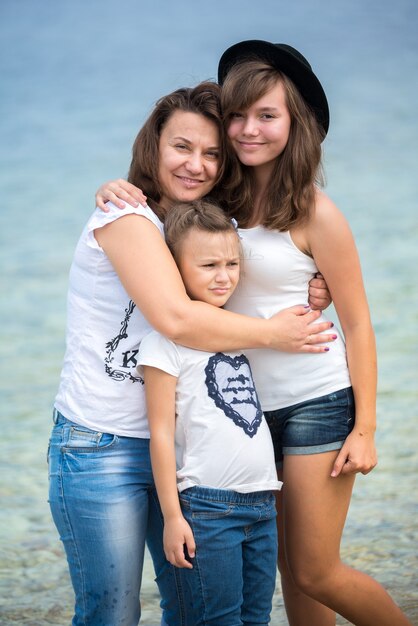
{"type": "Point", "coordinates": [178, 536]}
{"type": "Point", "coordinates": [358, 454]}
{"type": "Point", "coordinates": [119, 192]}
{"type": "Point", "coordinates": [319, 295]}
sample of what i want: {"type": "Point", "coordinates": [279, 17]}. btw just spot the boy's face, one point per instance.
{"type": "Point", "coordinates": [209, 264]}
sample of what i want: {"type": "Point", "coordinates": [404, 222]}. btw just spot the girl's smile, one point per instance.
{"type": "Point", "coordinates": [260, 134]}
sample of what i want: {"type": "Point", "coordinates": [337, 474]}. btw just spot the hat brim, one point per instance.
{"type": "Point", "coordinates": [280, 57]}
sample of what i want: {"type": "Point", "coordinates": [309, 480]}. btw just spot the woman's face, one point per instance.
{"type": "Point", "coordinates": [189, 154]}
{"type": "Point", "coordinates": [260, 134]}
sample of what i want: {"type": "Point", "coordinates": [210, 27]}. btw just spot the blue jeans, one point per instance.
{"type": "Point", "coordinates": [105, 507]}
{"type": "Point", "coordinates": [234, 571]}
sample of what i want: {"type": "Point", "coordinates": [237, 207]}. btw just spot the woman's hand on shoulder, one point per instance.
{"type": "Point", "coordinates": [120, 192]}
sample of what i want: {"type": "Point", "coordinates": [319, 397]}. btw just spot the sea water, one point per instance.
{"type": "Point", "coordinates": [77, 80]}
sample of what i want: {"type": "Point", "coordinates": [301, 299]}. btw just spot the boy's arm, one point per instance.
{"type": "Point", "coordinates": [160, 389]}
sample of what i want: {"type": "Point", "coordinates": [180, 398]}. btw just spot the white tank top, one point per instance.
{"type": "Point", "coordinates": [275, 276]}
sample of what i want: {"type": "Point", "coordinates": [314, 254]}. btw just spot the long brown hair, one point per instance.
{"type": "Point", "coordinates": [290, 196]}
{"type": "Point", "coordinates": [204, 99]}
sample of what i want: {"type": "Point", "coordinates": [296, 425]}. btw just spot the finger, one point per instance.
{"type": "Point", "coordinates": [119, 195]}
{"type": "Point", "coordinates": [311, 317]}
{"type": "Point", "coordinates": [301, 309]}
{"type": "Point", "coordinates": [318, 304]}
{"type": "Point", "coordinates": [108, 196]}
{"type": "Point", "coordinates": [367, 471]}
{"type": "Point", "coordinates": [339, 464]}
{"type": "Point", "coordinates": [130, 192]}
{"type": "Point", "coordinates": [121, 191]}
{"type": "Point", "coordinates": [102, 205]}
{"type": "Point", "coordinates": [317, 286]}
{"type": "Point", "coordinates": [176, 558]}
{"type": "Point", "coordinates": [320, 338]}
{"type": "Point", "coordinates": [181, 560]}
{"type": "Point", "coordinates": [191, 546]}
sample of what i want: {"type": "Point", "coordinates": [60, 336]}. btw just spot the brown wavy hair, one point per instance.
{"type": "Point", "coordinates": [205, 100]}
{"type": "Point", "coordinates": [202, 214]}
{"type": "Point", "coordinates": [290, 196]}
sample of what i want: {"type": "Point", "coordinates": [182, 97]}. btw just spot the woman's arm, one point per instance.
{"type": "Point", "coordinates": [332, 245]}
{"type": "Point", "coordinates": [160, 390]}
{"type": "Point", "coordinates": [150, 276]}
{"type": "Point", "coordinates": [121, 192]}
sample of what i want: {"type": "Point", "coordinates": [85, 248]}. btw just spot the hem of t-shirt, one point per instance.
{"type": "Point", "coordinates": [274, 485]}
{"type": "Point", "coordinates": [274, 405]}
{"type": "Point", "coordinates": [158, 364]}
{"type": "Point", "coordinates": [102, 428]}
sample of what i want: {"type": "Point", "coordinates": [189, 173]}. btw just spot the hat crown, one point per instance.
{"type": "Point", "coordinates": [296, 53]}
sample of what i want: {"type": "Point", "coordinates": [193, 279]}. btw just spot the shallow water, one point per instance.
{"type": "Point", "coordinates": [77, 80]}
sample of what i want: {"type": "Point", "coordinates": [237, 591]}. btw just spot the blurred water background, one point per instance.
{"type": "Point", "coordinates": [77, 79]}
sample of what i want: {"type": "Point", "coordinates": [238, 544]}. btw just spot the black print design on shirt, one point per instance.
{"type": "Point", "coordinates": [128, 358]}
{"type": "Point", "coordinates": [230, 385]}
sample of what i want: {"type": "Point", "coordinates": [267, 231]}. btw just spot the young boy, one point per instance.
{"type": "Point", "coordinates": [210, 442]}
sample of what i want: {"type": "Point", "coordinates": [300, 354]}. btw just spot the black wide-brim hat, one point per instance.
{"type": "Point", "coordinates": [287, 60]}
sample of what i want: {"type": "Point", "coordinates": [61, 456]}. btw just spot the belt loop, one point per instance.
{"type": "Point", "coordinates": [55, 416]}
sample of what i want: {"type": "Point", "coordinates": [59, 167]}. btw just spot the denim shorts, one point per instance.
{"type": "Point", "coordinates": [318, 425]}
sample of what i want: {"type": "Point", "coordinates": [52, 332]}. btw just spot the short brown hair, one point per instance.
{"type": "Point", "coordinates": [200, 214]}
{"type": "Point", "coordinates": [204, 99]}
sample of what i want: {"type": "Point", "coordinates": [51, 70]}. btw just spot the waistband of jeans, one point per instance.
{"type": "Point", "coordinates": [58, 418]}
{"type": "Point", "coordinates": [226, 495]}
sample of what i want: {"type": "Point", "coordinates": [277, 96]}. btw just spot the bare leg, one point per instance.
{"type": "Point", "coordinates": [315, 509]}
{"type": "Point", "coordinates": [298, 605]}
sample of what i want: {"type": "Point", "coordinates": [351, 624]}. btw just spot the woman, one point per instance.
{"type": "Point", "coordinates": [321, 414]}
{"type": "Point", "coordinates": [123, 280]}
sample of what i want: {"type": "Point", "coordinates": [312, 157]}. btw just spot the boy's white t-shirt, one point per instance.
{"type": "Point", "coordinates": [100, 387]}
{"type": "Point", "coordinates": [222, 440]}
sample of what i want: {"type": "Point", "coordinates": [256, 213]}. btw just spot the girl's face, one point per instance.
{"type": "Point", "coordinates": [260, 134]}
{"type": "Point", "coordinates": [189, 152]}
{"type": "Point", "coordinates": [209, 265]}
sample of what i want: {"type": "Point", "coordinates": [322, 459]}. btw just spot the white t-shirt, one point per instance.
{"type": "Point", "coordinates": [275, 276]}
{"type": "Point", "coordinates": [100, 387]}
{"type": "Point", "coordinates": [222, 440]}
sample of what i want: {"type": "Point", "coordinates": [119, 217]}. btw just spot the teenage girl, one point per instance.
{"type": "Point", "coordinates": [321, 413]}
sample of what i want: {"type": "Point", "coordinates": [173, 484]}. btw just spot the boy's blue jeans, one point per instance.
{"type": "Point", "coordinates": [105, 507]}
{"type": "Point", "coordinates": [234, 571]}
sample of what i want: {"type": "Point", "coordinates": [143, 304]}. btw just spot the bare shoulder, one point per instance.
{"type": "Point", "coordinates": [326, 217]}
{"type": "Point", "coordinates": [324, 207]}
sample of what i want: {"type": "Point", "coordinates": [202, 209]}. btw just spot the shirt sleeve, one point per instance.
{"type": "Point", "coordinates": [100, 219]}
{"type": "Point", "coordinates": [158, 351]}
